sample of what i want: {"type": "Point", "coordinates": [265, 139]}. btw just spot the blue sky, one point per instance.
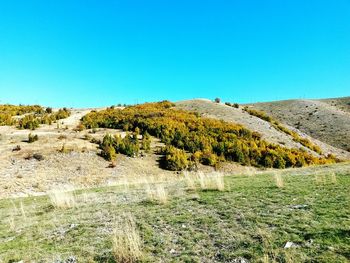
{"type": "Point", "coordinates": [96, 53]}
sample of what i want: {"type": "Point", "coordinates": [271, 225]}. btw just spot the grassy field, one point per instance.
{"type": "Point", "coordinates": [250, 220]}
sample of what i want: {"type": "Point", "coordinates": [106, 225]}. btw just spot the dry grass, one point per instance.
{"type": "Point", "coordinates": [157, 193]}
{"type": "Point", "coordinates": [191, 180]}
{"type": "Point", "coordinates": [63, 197]}
{"type": "Point", "coordinates": [213, 181]}
{"type": "Point", "coordinates": [11, 222]}
{"type": "Point", "coordinates": [333, 178]}
{"type": "Point", "coordinates": [278, 180]}
{"type": "Point", "coordinates": [325, 178]}
{"type": "Point", "coordinates": [320, 178]}
{"type": "Point", "coordinates": [127, 244]}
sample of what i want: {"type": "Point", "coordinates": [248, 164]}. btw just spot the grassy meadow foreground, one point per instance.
{"type": "Point", "coordinates": [294, 215]}
{"type": "Point", "coordinates": [192, 181]}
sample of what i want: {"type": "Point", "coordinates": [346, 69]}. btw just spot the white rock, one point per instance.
{"type": "Point", "coordinates": [290, 244]}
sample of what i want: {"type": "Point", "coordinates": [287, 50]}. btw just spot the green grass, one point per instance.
{"type": "Point", "coordinates": [252, 219]}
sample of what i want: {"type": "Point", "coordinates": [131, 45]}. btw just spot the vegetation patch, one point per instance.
{"type": "Point", "coordinates": [276, 124]}
{"type": "Point", "coordinates": [33, 116]}
{"type": "Point", "coordinates": [7, 111]}
{"type": "Point", "coordinates": [207, 141]}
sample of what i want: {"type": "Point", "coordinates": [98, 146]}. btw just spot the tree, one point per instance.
{"type": "Point", "coordinates": [217, 100]}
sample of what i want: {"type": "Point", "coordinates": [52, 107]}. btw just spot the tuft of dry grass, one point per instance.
{"type": "Point", "coordinates": [157, 193]}
{"type": "Point", "coordinates": [325, 178]}
{"type": "Point", "coordinates": [213, 181]}
{"type": "Point", "coordinates": [191, 180]}
{"type": "Point", "coordinates": [278, 180]}
{"type": "Point", "coordinates": [11, 222]}
{"type": "Point", "coordinates": [320, 179]}
{"type": "Point", "coordinates": [62, 197]}
{"type": "Point", "coordinates": [333, 178]}
{"type": "Point", "coordinates": [126, 241]}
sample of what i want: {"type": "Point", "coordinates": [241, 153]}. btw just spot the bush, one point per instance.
{"type": "Point", "coordinates": [111, 145]}
{"type": "Point", "coordinates": [108, 152]}
{"type": "Point", "coordinates": [80, 127]}
{"type": "Point", "coordinates": [175, 159]}
{"type": "Point", "coordinates": [209, 158]}
{"type": "Point", "coordinates": [146, 142]}
{"type": "Point", "coordinates": [62, 114]}
{"type": "Point", "coordinates": [32, 138]}
{"type": "Point", "coordinates": [129, 145]}
{"type": "Point", "coordinates": [6, 119]}
{"type": "Point", "coordinates": [217, 100]}
{"type": "Point", "coordinates": [29, 122]}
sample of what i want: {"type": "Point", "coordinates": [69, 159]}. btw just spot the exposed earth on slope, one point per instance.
{"type": "Point", "coordinates": [69, 158]}
{"type": "Point", "coordinates": [326, 120]}
{"type": "Point", "coordinates": [227, 113]}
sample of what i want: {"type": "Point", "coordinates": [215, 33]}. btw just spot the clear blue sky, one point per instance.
{"type": "Point", "coordinates": [96, 53]}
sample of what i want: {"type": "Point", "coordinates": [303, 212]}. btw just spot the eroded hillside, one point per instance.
{"type": "Point", "coordinates": [238, 115]}
{"type": "Point", "coordinates": [326, 120]}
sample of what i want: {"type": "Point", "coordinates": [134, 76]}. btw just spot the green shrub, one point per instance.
{"type": "Point", "coordinates": [175, 159]}
{"type": "Point", "coordinates": [6, 119]}
{"type": "Point", "coordinates": [32, 137]}
{"type": "Point", "coordinates": [108, 152]}
{"type": "Point", "coordinates": [260, 114]}
{"type": "Point", "coordinates": [128, 145]}
{"type": "Point", "coordinates": [209, 158]}
{"type": "Point", "coordinates": [62, 114]}
{"type": "Point", "coordinates": [146, 142]}
{"type": "Point", "coordinates": [29, 122]}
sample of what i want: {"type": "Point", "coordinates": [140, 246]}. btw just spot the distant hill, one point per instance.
{"type": "Point", "coordinates": [327, 120]}
{"type": "Point", "coordinates": [331, 118]}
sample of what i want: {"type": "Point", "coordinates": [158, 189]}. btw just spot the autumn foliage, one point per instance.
{"type": "Point", "coordinates": [190, 138]}
{"type": "Point", "coordinates": [33, 116]}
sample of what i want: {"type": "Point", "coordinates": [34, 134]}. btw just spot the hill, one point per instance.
{"type": "Point", "coordinates": [61, 201]}
{"type": "Point", "coordinates": [238, 115]}
{"type": "Point", "coordinates": [326, 120]}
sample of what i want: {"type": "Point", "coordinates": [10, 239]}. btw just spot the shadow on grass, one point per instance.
{"type": "Point", "coordinates": [107, 257]}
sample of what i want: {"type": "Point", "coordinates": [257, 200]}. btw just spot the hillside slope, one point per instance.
{"type": "Point", "coordinates": [326, 120]}
{"type": "Point", "coordinates": [341, 103]}
{"type": "Point", "coordinates": [268, 132]}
